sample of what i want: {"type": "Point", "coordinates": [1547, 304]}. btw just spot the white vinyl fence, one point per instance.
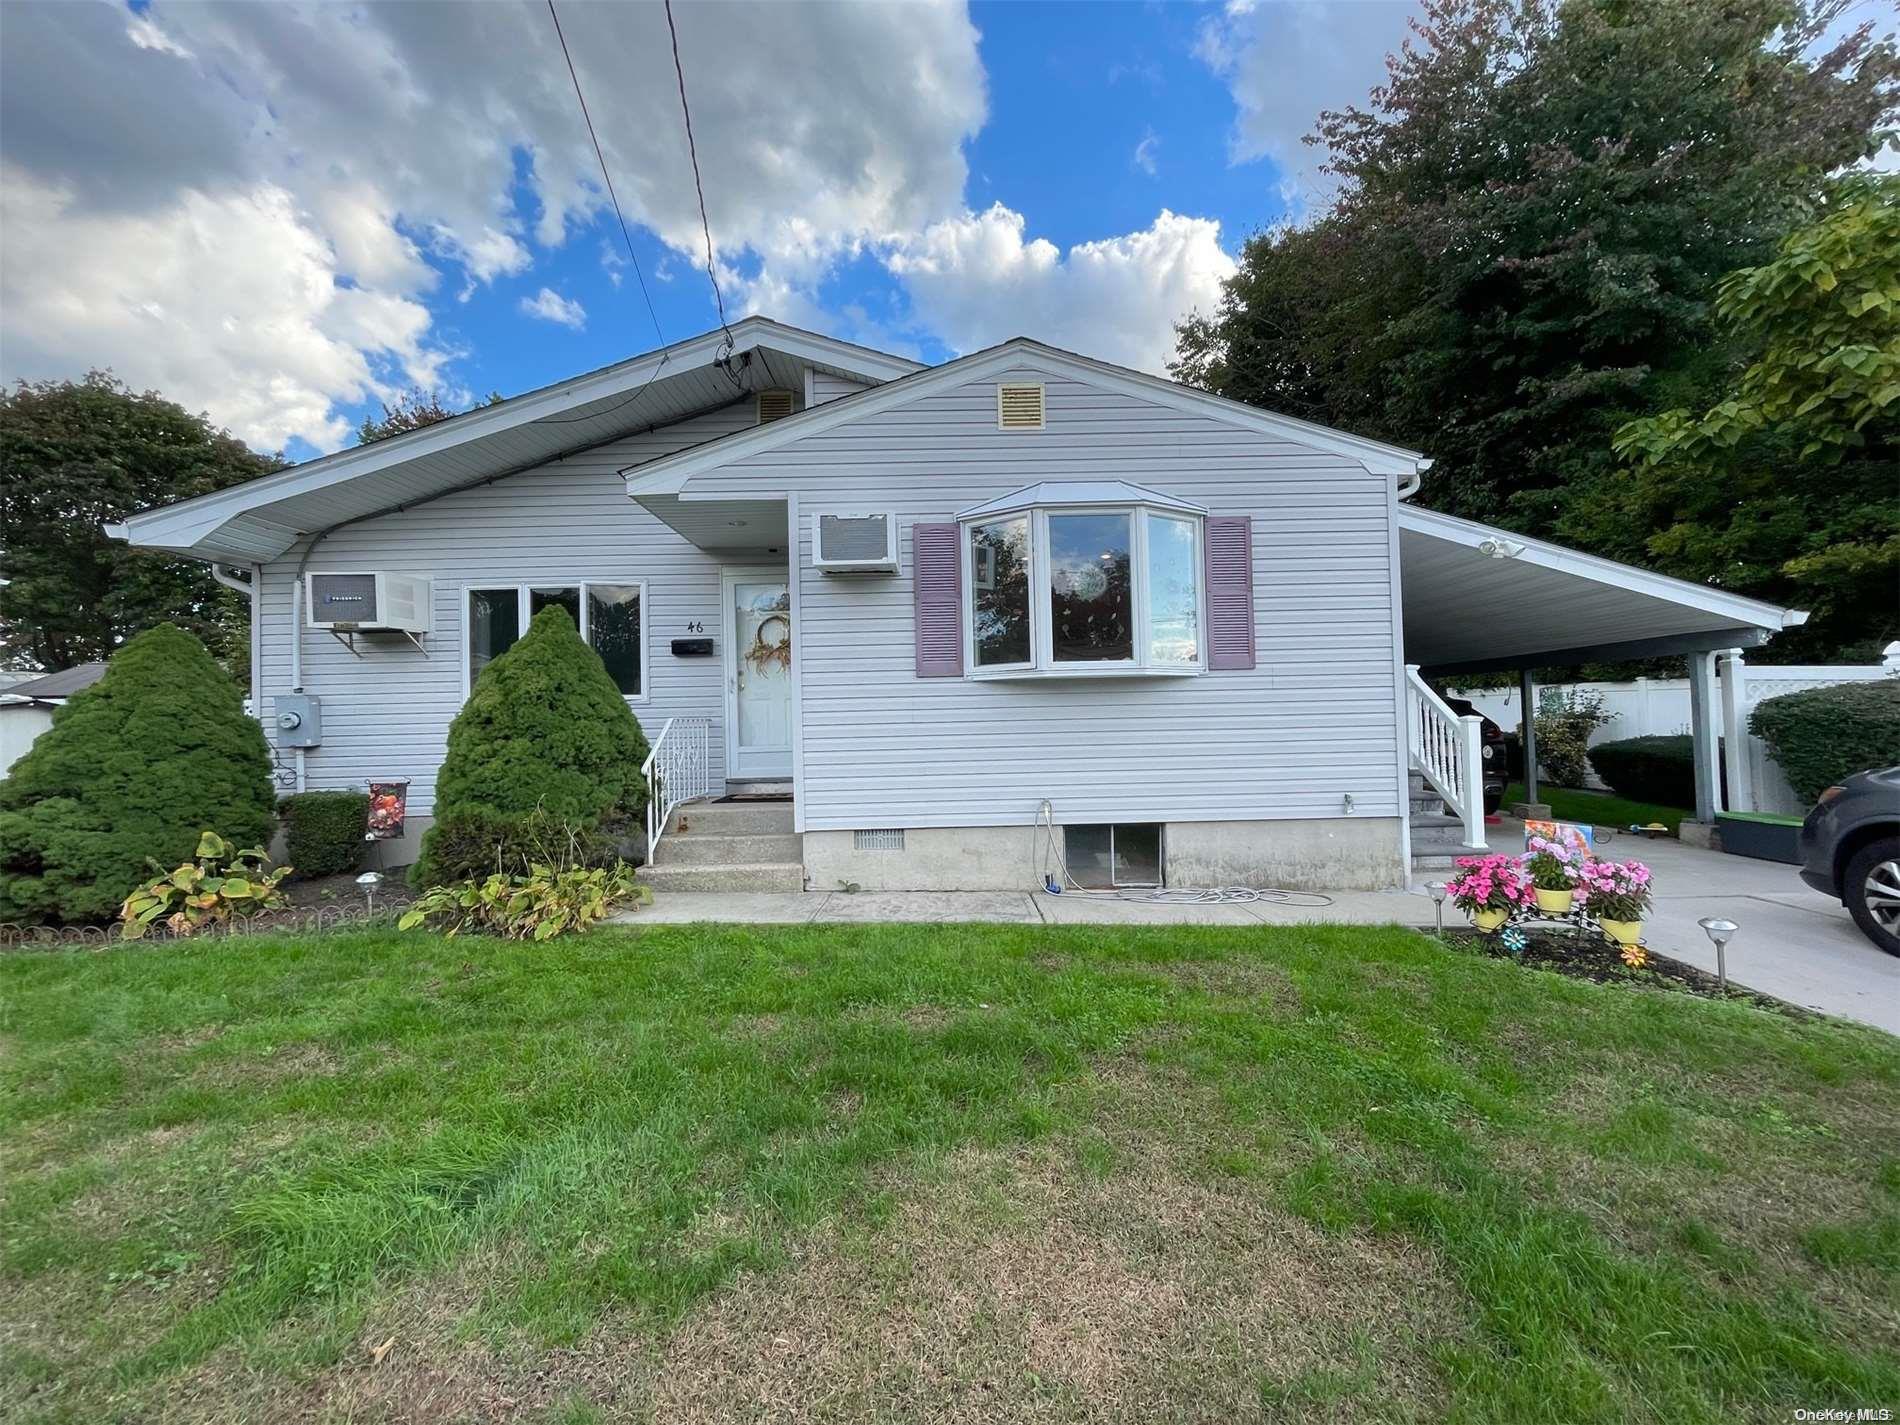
{"type": "Point", "coordinates": [1660, 707]}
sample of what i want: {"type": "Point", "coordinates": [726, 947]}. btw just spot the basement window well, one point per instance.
{"type": "Point", "coordinates": [1104, 858]}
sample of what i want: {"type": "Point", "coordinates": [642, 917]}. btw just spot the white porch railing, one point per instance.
{"type": "Point", "coordinates": [1449, 751]}
{"type": "Point", "coordinates": [678, 770]}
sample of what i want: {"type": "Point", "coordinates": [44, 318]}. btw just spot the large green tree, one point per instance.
{"type": "Point", "coordinates": [1787, 485]}
{"type": "Point", "coordinates": [74, 456]}
{"type": "Point", "coordinates": [1535, 212]}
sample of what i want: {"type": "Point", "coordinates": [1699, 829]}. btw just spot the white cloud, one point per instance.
{"type": "Point", "coordinates": [551, 306]}
{"type": "Point", "coordinates": [225, 303]}
{"type": "Point", "coordinates": [974, 281]}
{"type": "Point", "coordinates": [366, 148]}
{"type": "Point", "coordinates": [1286, 62]}
{"type": "Point", "coordinates": [1144, 155]}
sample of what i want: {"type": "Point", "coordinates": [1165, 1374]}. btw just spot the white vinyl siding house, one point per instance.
{"type": "Point", "coordinates": [1311, 723]}
{"type": "Point", "coordinates": [386, 714]}
{"type": "Point", "coordinates": [1244, 712]}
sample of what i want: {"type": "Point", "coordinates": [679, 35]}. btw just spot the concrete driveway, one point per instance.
{"type": "Point", "coordinates": [1794, 943]}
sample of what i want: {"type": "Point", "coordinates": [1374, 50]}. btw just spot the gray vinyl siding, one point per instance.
{"type": "Point", "coordinates": [387, 714]}
{"type": "Point", "coordinates": [826, 387]}
{"type": "Point", "coordinates": [1313, 722]}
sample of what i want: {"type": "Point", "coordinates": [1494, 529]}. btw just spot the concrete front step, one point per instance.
{"type": "Point", "coordinates": [731, 819]}
{"type": "Point", "coordinates": [742, 876]}
{"type": "Point", "coordinates": [1427, 804]}
{"type": "Point", "coordinates": [1438, 830]}
{"type": "Point", "coordinates": [1443, 858]}
{"type": "Point", "coordinates": [706, 848]}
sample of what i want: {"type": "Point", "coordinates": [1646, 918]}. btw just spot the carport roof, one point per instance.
{"type": "Point", "coordinates": [1478, 599]}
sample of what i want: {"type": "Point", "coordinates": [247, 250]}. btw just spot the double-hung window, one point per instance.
{"type": "Point", "coordinates": [611, 618]}
{"type": "Point", "coordinates": [1083, 579]}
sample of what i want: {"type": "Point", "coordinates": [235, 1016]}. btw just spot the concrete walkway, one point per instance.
{"type": "Point", "coordinates": [1794, 943]}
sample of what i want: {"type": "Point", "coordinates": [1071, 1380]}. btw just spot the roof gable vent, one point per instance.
{"type": "Point", "coordinates": [1019, 405]}
{"type": "Point", "coordinates": [774, 406]}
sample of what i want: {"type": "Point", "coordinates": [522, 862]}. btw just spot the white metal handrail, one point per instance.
{"type": "Point", "coordinates": [1449, 751]}
{"type": "Point", "coordinates": [678, 770]}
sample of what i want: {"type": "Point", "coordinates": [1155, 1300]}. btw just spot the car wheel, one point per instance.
{"type": "Point", "coordinates": [1871, 889]}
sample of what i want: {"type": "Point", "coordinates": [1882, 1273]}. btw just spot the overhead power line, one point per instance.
{"type": "Point", "coordinates": [698, 187]}
{"type": "Point", "coordinates": [607, 178]}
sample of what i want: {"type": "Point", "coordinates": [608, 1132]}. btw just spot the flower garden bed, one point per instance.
{"type": "Point", "coordinates": [1592, 957]}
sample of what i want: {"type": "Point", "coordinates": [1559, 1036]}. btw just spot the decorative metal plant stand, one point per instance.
{"type": "Point", "coordinates": [1513, 933]}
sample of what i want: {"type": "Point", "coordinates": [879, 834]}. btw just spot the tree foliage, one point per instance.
{"type": "Point", "coordinates": [544, 730]}
{"type": "Point", "coordinates": [412, 410]}
{"type": "Point", "coordinates": [134, 769]}
{"type": "Point", "coordinates": [74, 456]}
{"type": "Point", "coordinates": [1788, 485]}
{"type": "Point", "coordinates": [1536, 212]}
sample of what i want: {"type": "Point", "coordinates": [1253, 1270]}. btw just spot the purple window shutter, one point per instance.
{"type": "Point", "coordinates": [1229, 591]}
{"type": "Point", "coordinates": [936, 574]}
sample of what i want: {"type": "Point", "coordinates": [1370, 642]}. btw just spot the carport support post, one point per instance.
{"type": "Point", "coordinates": [1527, 697]}
{"type": "Point", "coordinates": [1705, 740]}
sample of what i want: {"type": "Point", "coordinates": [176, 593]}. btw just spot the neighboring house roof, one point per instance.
{"type": "Point", "coordinates": [262, 518]}
{"type": "Point", "coordinates": [56, 686]}
{"type": "Point", "coordinates": [669, 474]}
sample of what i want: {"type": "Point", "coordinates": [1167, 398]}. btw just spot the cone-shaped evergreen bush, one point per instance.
{"type": "Point", "coordinates": [544, 727]}
{"type": "Point", "coordinates": [136, 766]}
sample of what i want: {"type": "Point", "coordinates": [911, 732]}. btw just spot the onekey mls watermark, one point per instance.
{"type": "Point", "coordinates": [1850, 1415]}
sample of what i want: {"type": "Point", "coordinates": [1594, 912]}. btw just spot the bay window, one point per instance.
{"type": "Point", "coordinates": [1060, 581]}
{"type": "Point", "coordinates": [610, 617]}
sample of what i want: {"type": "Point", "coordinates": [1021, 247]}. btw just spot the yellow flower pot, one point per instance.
{"type": "Point", "coordinates": [1554, 902]}
{"type": "Point", "coordinates": [1489, 920]}
{"type": "Point", "coordinates": [1623, 932]}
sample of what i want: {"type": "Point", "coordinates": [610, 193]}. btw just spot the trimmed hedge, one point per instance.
{"type": "Point", "coordinates": [132, 770]}
{"type": "Point", "coordinates": [1648, 769]}
{"type": "Point", "coordinates": [1824, 735]}
{"type": "Point", "coordinates": [544, 729]}
{"type": "Point", "coordinates": [323, 831]}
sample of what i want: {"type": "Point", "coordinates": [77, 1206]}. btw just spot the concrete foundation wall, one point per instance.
{"type": "Point", "coordinates": [1345, 853]}
{"type": "Point", "coordinates": [1339, 853]}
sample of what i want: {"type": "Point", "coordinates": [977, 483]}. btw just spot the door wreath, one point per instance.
{"type": "Point", "coordinates": [773, 652]}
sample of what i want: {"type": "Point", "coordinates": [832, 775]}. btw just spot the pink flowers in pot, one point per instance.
{"type": "Point", "coordinates": [1489, 883]}
{"type": "Point", "coordinates": [1551, 865]}
{"type": "Point", "coordinates": [1615, 890]}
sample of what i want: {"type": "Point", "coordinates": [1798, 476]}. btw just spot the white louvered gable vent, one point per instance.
{"type": "Point", "coordinates": [774, 406]}
{"type": "Point", "coordinates": [1019, 405]}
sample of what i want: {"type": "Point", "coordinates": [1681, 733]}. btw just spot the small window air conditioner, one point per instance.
{"type": "Point", "coordinates": [369, 603]}
{"type": "Point", "coordinates": [854, 544]}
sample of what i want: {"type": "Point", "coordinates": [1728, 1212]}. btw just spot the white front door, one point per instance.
{"type": "Point", "coordinates": [758, 674]}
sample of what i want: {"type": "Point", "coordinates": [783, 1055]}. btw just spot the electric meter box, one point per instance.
{"type": "Point", "coordinates": [298, 719]}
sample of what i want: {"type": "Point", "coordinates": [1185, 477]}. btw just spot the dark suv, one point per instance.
{"type": "Point", "coordinates": [1494, 758]}
{"type": "Point", "coordinates": [1850, 847]}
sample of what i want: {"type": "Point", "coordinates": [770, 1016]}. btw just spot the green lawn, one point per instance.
{"type": "Point", "coordinates": [1598, 808]}
{"type": "Point", "coordinates": [946, 1172]}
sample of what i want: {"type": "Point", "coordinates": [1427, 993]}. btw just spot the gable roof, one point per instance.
{"type": "Point", "coordinates": [669, 474]}
{"type": "Point", "coordinates": [60, 685]}
{"type": "Point", "coordinates": [262, 518]}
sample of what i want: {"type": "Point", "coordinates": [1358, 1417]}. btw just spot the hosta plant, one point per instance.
{"type": "Point", "coordinates": [538, 906]}
{"type": "Point", "coordinates": [221, 883]}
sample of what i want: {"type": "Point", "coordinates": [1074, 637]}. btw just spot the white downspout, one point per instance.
{"type": "Point", "coordinates": [249, 590]}
{"type": "Point", "coordinates": [296, 657]}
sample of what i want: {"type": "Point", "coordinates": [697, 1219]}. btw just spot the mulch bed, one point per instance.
{"type": "Point", "coordinates": [327, 892]}
{"type": "Point", "coordinates": [1584, 956]}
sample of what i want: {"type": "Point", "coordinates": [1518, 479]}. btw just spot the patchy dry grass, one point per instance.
{"type": "Point", "coordinates": [948, 1173]}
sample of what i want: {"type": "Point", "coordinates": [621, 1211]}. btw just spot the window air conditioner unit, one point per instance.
{"type": "Point", "coordinates": [349, 604]}
{"type": "Point", "coordinates": [854, 544]}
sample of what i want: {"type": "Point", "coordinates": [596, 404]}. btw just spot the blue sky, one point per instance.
{"type": "Point", "coordinates": [283, 214]}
